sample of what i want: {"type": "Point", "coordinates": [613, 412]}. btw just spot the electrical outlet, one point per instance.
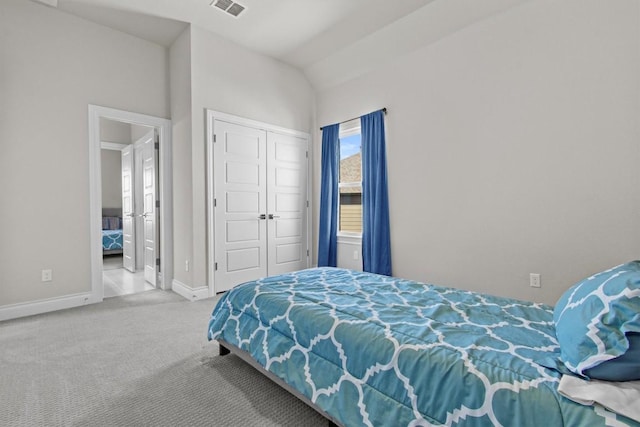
{"type": "Point", "coordinates": [355, 255]}
{"type": "Point", "coordinates": [534, 280]}
{"type": "Point", "coordinates": [186, 265]}
{"type": "Point", "coordinates": [47, 275]}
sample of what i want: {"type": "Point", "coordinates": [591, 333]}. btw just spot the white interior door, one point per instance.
{"type": "Point", "coordinates": [240, 204]}
{"type": "Point", "coordinates": [138, 202]}
{"type": "Point", "coordinates": [286, 203]}
{"type": "Point", "coordinates": [128, 214]}
{"type": "Point", "coordinates": [149, 215]}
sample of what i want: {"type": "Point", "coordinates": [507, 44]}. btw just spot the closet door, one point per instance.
{"type": "Point", "coordinates": [286, 203]}
{"type": "Point", "coordinates": [240, 204]}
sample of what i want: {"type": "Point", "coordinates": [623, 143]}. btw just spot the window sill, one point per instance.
{"type": "Point", "coordinates": [350, 238]}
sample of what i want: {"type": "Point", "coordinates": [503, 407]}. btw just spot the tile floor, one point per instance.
{"type": "Point", "coordinates": [117, 281]}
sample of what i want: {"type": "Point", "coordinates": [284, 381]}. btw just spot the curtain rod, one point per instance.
{"type": "Point", "coordinates": [384, 110]}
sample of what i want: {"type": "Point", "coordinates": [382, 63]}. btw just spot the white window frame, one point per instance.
{"type": "Point", "coordinates": [350, 128]}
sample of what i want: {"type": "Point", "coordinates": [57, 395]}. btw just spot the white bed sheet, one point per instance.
{"type": "Point", "coordinates": [620, 397]}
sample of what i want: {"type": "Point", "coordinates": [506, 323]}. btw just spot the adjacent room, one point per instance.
{"type": "Point", "coordinates": [128, 172]}
{"type": "Point", "coordinates": [185, 147]}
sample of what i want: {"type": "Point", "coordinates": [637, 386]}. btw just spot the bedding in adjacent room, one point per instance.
{"type": "Point", "coordinates": [111, 234]}
{"type": "Point", "coordinates": [111, 240]}
{"type": "Point", "coordinates": [376, 350]}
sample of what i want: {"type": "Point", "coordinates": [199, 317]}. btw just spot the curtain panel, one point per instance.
{"type": "Point", "coordinates": [376, 237]}
{"type": "Point", "coordinates": [330, 175]}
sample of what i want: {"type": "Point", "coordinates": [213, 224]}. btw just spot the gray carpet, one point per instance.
{"type": "Point", "coordinates": [137, 360]}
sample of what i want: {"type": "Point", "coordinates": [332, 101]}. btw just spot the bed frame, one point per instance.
{"type": "Point", "coordinates": [106, 252]}
{"type": "Point", "coordinates": [226, 348]}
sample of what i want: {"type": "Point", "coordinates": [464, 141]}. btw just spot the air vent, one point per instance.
{"type": "Point", "coordinates": [235, 9]}
{"type": "Point", "coordinates": [222, 4]}
{"type": "Point", "coordinates": [228, 6]}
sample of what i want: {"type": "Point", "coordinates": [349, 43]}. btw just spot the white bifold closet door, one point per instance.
{"type": "Point", "coordinates": [260, 203]}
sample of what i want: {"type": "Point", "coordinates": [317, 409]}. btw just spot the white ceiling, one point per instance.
{"type": "Point", "coordinates": [295, 31]}
{"type": "Point", "coordinates": [329, 40]}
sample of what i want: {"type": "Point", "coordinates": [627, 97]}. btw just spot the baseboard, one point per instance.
{"type": "Point", "coordinates": [14, 311]}
{"type": "Point", "coordinates": [184, 291]}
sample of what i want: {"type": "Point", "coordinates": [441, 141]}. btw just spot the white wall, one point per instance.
{"type": "Point", "coordinates": [180, 72]}
{"type": "Point", "coordinates": [114, 131]}
{"type": "Point", "coordinates": [111, 161]}
{"type": "Point", "coordinates": [512, 147]}
{"type": "Point", "coordinates": [349, 254]}
{"type": "Point", "coordinates": [229, 79]}
{"type": "Point", "coordinates": [53, 66]}
{"type": "Point", "coordinates": [139, 131]}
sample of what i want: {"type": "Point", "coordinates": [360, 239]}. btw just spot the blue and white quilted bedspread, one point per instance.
{"type": "Point", "coordinates": [380, 351]}
{"type": "Point", "coordinates": [111, 239]}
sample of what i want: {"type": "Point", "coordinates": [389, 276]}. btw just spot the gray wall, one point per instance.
{"type": "Point", "coordinates": [512, 147]}
{"type": "Point", "coordinates": [114, 131]}
{"type": "Point", "coordinates": [111, 178]}
{"type": "Point", "coordinates": [180, 72]}
{"type": "Point", "coordinates": [53, 66]}
{"type": "Point", "coordinates": [517, 136]}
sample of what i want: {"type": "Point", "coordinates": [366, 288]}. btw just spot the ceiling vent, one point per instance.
{"type": "Point", "coordinates": [228, 6]}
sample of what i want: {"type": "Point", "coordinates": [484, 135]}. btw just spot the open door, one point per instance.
{"type": "Point", "coordinates": [128, 214]}
{"type": "Point", "coordinates": [150, 215]}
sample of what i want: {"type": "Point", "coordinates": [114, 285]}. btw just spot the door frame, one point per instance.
{"type": "Point", "coordinates": [213, 115]}
{"type": "Point", "coordinates": [95, 193]}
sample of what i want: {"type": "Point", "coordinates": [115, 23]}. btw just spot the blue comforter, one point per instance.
{"type": "Point", "coordinates": [381, 351]}
{"type": "Point", "coordinates": [111, 239]}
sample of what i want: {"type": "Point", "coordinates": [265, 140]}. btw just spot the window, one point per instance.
{"type": "Point", "coordinates": [350, 184]}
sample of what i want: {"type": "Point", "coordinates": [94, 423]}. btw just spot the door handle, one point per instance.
{"type": "Point", "coordinates": [262, 216]}
{"type": "Point", "coordinates": [272, 216]}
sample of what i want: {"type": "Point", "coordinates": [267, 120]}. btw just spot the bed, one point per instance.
{"type": "Point", "coordinates": [111, 231]}
{"type": "Point", "coordinates": [364, 349]}
{"type": "Point", "coordinates": [111, 242]}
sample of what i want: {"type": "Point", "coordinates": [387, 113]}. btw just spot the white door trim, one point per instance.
{"type": "Point", "coordinates": [95, 193]}
{"type": "Point", "coordinates": [213, 115]}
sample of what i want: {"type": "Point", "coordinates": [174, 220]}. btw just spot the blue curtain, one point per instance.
{"type": "Point", "coordinates": [330, 175]}
{"type": "Point", "coordinates": [376, 237]}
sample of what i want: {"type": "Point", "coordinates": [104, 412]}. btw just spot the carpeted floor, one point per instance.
{"type": "Point", "coordinates": [137, 360]}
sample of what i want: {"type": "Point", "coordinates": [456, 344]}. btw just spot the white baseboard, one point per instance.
{"type": "Point", "coordinates": [14, 311]}
{"type": "Point", "coordinates": [184, 291]}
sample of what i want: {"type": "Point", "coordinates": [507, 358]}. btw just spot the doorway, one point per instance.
{"type": "Point", "coordinates": [143, 260]}
{"type": "Point", "coordinates": [129, 174]}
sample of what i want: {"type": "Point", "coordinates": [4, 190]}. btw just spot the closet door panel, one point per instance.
{"type": "Point", "coordinates": [286, 203]}
{"type": "Point", "coordinates": [240, 195]}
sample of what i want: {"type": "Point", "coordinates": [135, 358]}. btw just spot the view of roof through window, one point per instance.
{"type": "Point", "coordinates": [350, 184]}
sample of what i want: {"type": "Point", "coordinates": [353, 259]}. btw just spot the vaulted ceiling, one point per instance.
{"type": "Point", "coordinates": [329, 40]}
